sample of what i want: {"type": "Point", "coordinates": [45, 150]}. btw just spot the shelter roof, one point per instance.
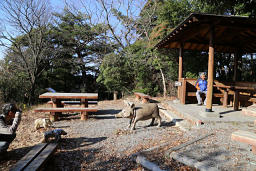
{"type": "Point", "coordinates": [231, 33]}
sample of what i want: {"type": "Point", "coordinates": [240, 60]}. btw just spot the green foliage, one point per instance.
{"type": "Point", "coordinates": [191, 75]}
{"type": "Point", "coordinates": [113, 73]}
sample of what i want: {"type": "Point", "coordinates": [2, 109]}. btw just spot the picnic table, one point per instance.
{"type": "Point", "coordinates": [58, 107]}
{"type": "Point", "coordinates": [236, 90]}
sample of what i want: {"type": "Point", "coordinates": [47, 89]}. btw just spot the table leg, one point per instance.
{"type": "Point", "coordinates": [54, 116]}
{"type": "Point", "coordinates": [225, 99]}
{"type": "Point", "coordinates": [84, 104]}
{"type": "Point", "coordinates": [236, 100]}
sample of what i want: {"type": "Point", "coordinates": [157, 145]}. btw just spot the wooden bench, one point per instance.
{"type": "Point", "coordinates": [36, 158]}
{"type": "Point", "coordinates": [214, 94]}
{"type": "Point", "coordinates": [145, 98]}
{"type": "Point", "coordinates": [74, 102]}
{"type": "Point", "coordinates": [54, 116]}
{"type": "Point", "coordinates": [245, 137]}
{"type": "Point", "coordinates": [252, 99]}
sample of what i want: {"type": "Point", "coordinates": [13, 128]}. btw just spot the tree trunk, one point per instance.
{"type": "Point", "coordinates": [115, 95]}
{"type": "Point", "coordinates": [164, 85]}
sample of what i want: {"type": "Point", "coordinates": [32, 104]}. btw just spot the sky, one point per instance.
{"type": "Point", "coordinates": [89, 5]}
{"type": "Point", "coordinates": [57, 5]}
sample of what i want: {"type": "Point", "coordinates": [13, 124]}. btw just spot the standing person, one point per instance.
{"type": "Point", "coordinates": [201, 86]}
{"type": "Point", "coordinates": [9, 122]}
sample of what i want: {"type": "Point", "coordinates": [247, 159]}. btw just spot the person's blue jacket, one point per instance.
{"type": "Point", "coordinates": [201, 84]}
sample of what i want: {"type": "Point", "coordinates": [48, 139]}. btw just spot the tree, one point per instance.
{"type": "Point", "coordinates": [114, 73]}
{"type": "Point", "coordinates": [29, 47]}
{"type": "Point", "coordinates": [79, 43]}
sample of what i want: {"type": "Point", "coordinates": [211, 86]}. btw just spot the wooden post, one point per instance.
{"type": "Point", "coordinates": [210, 72]}
{"type": "Point", "coordinates": [84, 104]}
{"type": "Point", "coordinates": [236, 93]}
{"type": "Point", "coordinates": [183, 91]}
{"type": "Point", "coordinates": [235, 66]}
{"type": "Point", "coordinates": [236, 100]}
{"type": "Point", "coordinates": [180, 69]}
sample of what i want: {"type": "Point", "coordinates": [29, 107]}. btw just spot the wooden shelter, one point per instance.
{"type": "Point", "coordinates": [213, 33]}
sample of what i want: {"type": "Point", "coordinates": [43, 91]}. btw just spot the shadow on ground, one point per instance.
{"type": "Point", "coordinates": [70, 154]}
{"type": "Point", "coordinates": [213, 159]}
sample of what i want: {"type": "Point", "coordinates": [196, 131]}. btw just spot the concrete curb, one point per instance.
{"type": "Point", "coordinates": [174, 119]}
{"type": "Point", "coordinates": [249, 112]}
{"type": "Point", "coordinates": [245, 137]}
{"type": "Point", "coordinates": [147, 164]}
{"type": "Point", "coordinates": [203, 166]}
{"type": "Point", "coordinates": [186, 116]}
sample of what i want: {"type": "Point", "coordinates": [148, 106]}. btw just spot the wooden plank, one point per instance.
{"type": "Point", "coordinates": [74, 102]}
{"type": "Point", "coordinates": [70, 95]}
{"type": "Point", "coordinates": [29, 157]}
{"type": "Point", "coordinates": [66, 110]}
{"type": "Point", "coordinates": [191, 94]}
{"type": "Point", "coordinates": [42, 158]}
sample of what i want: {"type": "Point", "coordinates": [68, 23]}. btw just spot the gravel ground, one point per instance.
{"type": "Point", "coordinates": [104, 143]}
{"type": "Point", "coordinates": [101, 143]}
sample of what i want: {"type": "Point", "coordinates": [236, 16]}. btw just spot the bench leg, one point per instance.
{"type": "Point", "coordinates": [54, 116]}
{"type": "Point", "coordinates": [84, 104]}
{"type": "Point", "coordinates": [137, 97]}
{"type": "Point", "coordinates": [254, 149]}
{"type": "Point", "coordinates": [145, 100]}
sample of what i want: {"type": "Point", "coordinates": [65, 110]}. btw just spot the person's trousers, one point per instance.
{"type": "Point", "coordinates": [5, 141]}
{"type": "Point", "coordinates": [198, 96]}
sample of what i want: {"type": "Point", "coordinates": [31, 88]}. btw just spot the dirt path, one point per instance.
{"type": "Point", "coordinates": [101, 143]}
